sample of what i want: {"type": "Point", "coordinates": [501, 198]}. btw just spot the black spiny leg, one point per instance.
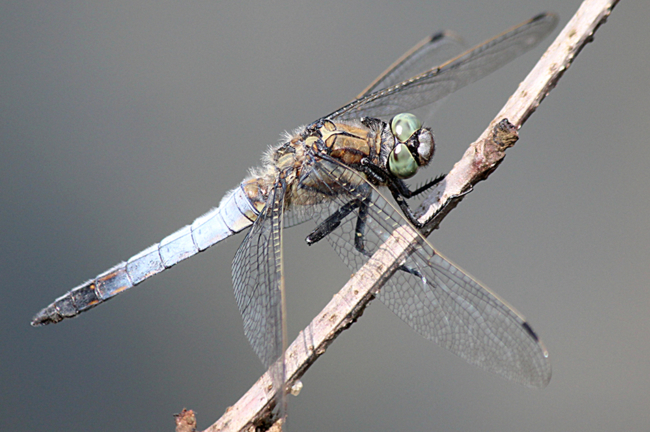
{"type": "Point", "coordinates": [428, 185]}
{"type": "Point", "coordinates": [334, 220]}
{"type": "Point", "coordinates": [401, 192]}
{"type": "Point", "coordinates": [358, 237]}
{"type": "Point", "coordinates": [399, 189]}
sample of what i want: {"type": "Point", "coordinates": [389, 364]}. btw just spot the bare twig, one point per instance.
{"type": "Point", "coordinates": [478, 162]}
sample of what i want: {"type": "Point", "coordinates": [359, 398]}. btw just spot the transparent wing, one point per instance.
{"type": "Point", "coordinates": [433, 84]}
{"type": "Point", "coordinates": [433, 296]}
{"type": "Point", "coordinates": [295, 215]}
{"type": "Point", "coordinates": [257, 273]}
{"type": "Point", "coordinates": [426, 54]}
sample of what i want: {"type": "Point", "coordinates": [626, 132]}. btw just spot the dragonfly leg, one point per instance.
{"type": "Point", "coordinates": [359, 243]}
{"type": "Point", "coordinates": [399, 189]}
{"type": "Point", "coordinates": [401, 193]}
{"type": "Point", "coordinates": [428, 185]}
{"type": "Point", "coordinates": [359, 238]}
{"type": "Point", "coordinates": [334, 220]}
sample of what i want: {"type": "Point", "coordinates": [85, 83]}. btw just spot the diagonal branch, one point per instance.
{"type": "Point", "coordinates": [478, 162]}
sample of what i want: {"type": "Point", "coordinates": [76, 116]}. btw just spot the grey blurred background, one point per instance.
{"type": "Point", "coordinates": [120, 122]}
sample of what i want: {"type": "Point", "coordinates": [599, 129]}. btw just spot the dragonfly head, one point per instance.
{"type": "Point", "coordinates": [414, 146]}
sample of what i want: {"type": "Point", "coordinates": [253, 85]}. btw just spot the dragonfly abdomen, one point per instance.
{"type": "Point", "coordinates": [236, 212]}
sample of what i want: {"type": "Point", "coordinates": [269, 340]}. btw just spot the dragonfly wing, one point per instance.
{"type": "Point", "coordinates": [434, 84]}
{"type": "Point", "coordinates": [426, 54]}
{"type": "Point", "coordinates": [297, 214]}
{"type": "Point", "coordinates": [257, 277]}
{"type": "Point", "coordinates": [449, 307]}
{"type": "Point", "coordinates": [434, 297]}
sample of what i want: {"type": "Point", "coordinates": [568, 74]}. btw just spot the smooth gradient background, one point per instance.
{"type": "Point", "coordinates": [120, 122]}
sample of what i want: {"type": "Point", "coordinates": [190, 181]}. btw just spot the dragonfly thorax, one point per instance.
{"type": "Point", "coordinates": [397, 148]}
{"type": "Point", "coordinates": [394, 149]}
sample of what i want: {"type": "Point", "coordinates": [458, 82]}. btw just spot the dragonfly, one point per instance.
{"type": "Point", "coordinates": [346, 171]}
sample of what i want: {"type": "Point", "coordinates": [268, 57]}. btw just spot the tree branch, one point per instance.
{"type": "Point", "coordinates": [478, 162]}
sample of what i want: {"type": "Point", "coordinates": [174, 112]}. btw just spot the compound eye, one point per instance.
{"type": "Point", "coordinates": [401, 162]}
{"type": "Point", "coordinates": [404, 125]}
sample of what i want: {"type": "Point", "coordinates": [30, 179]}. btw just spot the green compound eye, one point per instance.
{"type": "Point", "coordinates": [401, 162]}
{"type": "Point", "coordinates": [404, 125]}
